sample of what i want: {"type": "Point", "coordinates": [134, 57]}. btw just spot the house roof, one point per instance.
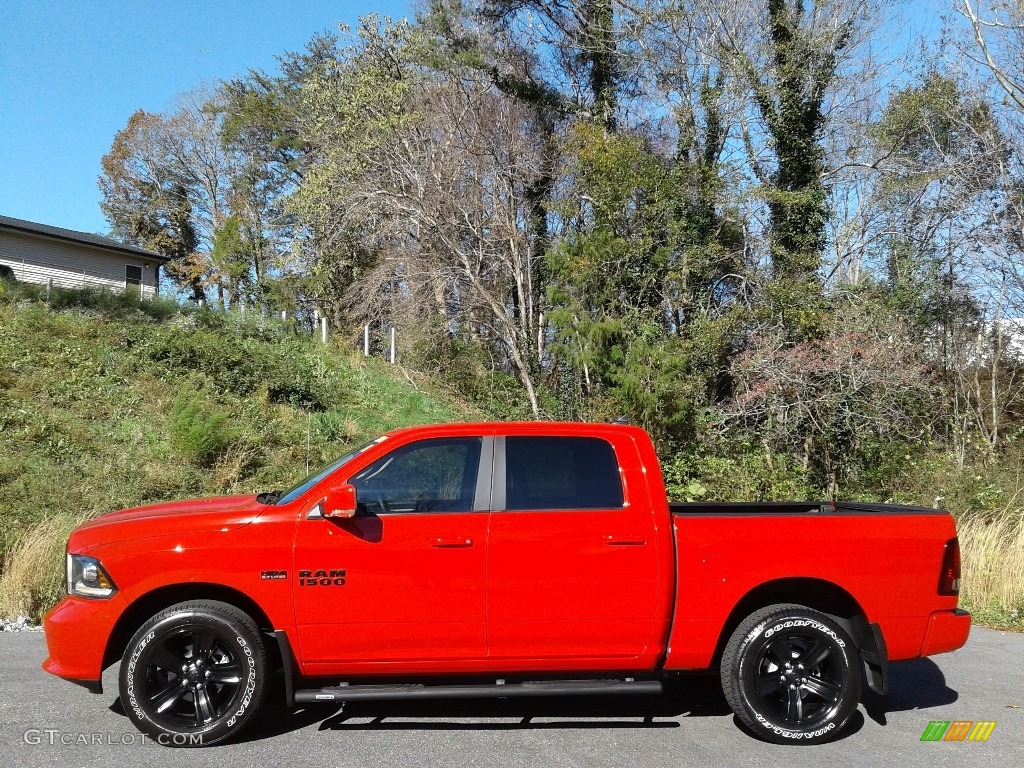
{"type": "Point", "coordinates": [70, 235]}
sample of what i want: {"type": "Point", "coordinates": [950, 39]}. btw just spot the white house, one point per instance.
{"type": "Point", "coordinates": [39, 253]}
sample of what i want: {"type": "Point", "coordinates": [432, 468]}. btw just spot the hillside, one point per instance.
{"type": "Point", "coordinates": [107, 403]}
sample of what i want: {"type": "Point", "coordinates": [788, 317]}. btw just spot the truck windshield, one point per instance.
{"type": "Point", "coordinates": [309, 482]}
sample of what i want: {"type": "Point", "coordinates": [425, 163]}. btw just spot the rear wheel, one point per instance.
{"type": "Point", "coordinates": [194, 674]}
{"type": "Point", "coordinates": [790, 674]}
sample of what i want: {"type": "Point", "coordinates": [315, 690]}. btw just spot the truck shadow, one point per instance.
{"type": "Point", "coordinates": [687, 696]}
{"type": "Point", "coordinates": [916, 684]}
{"type": "Point", "coordinates": [696, 696]}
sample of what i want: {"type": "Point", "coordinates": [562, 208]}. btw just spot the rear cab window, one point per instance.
{"type": "Point", "coordinates": [552, 473]}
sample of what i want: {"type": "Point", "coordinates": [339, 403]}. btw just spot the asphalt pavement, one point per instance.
{"type": "Point", "coordinates": [45, 721]}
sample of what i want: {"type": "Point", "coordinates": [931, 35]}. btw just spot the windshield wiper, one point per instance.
{"type": "Point", "coordinates": [268, 497]}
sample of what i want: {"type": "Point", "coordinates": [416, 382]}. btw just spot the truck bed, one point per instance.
{"type": "Point", "coordinates": [733, 508]}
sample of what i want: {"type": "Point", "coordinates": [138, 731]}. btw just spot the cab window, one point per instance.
{"type": "Point", "coordinates": [561, 473]}
{"type": "Point", "coordinates": [437, 475]}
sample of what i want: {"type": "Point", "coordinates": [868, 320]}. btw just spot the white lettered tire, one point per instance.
{"type": "Point", "coordinates": [194, 674]}
{"type": "Point", "coordinates": [791, 675]}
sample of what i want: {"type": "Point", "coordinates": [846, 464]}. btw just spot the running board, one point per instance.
{"type": "Point", "coordinates": [343, 693]}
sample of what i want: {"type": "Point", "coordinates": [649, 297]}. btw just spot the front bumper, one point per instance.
{"type": "Point", "coordinates": [77, 631]}
{"type": "Point", "coordinates": [946, 631]}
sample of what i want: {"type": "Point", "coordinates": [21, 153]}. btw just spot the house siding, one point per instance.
{"type": "Point", "coordinates": [37, 259]}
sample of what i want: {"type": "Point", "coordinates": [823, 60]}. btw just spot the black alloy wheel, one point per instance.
{"type": "Point", "coordinates": [194, 674]}
{"type": "Point", "coordinates": [791, 675]}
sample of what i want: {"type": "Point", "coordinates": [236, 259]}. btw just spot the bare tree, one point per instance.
{"type": "Point", "coordinates": [998, 30]}
{"type": "Point", "coordinates": [422, 192]}
{"type": "Point", "coordinates": [796, 60]}
{"type": "Point", "coordinates": [175, 166]}
{"type": "Point", "coordinates": [450, 196]}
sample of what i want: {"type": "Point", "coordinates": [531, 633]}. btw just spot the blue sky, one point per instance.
{"type": "Point", "coordinates": [72, 72]}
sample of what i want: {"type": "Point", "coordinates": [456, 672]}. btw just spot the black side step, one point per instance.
{"type": "Point", "coordinates": [483, 691]}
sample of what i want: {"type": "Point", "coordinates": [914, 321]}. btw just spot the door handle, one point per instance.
{"type": "Point", "coordinates": [451, 542]}
{"type": "Point", "coordinates": [624, 540]}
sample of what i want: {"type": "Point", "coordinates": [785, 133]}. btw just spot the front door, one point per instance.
{"type": "Point", "coordinates": [401, 584]}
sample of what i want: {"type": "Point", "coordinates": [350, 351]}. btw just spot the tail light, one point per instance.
{"type": "Point", "coordinates": [949, 578]}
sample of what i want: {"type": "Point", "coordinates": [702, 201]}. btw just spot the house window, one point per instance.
{"type": "Point", "coordinates": [132, 275]}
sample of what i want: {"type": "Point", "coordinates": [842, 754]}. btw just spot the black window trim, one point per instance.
{"type": "Point", "coordinates": [498, 486]}
{"type": "Point", "coordinates": [483, 476]}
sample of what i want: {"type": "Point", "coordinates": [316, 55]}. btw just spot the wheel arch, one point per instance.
{"type": "Point", "coordinates": [819, 594]}
{"type": "Point", "coordinates": [151, 603]}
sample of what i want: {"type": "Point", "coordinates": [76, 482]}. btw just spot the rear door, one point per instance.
{"type": "Point", "coordinates": [572, 571]}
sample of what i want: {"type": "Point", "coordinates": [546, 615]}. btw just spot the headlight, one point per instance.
{"type": "Point", "coordinates": [86, 578]}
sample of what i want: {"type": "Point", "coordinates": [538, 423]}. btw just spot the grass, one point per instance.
{"type": "Point", "coordinates": [33, 578]}
{"type": "Point", "coordinates": [992, 553]}
{"type": "Point", "coordinates": [89, 422]}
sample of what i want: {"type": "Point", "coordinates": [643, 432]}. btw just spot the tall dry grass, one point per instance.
{"type": "Point", "coordinates": [992, 553]}
{"type": "Point", "coordinates": [33, 572]}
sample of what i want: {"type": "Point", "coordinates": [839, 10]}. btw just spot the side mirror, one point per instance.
{"type": "Point", "coordinates": [340, 502]}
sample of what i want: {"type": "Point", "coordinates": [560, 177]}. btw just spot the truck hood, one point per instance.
{"type": "Point", "coordinates": [221, 513]}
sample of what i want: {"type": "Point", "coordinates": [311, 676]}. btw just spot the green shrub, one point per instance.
{"type": "Point", "coordinates": [200, 433]}
{"type": "Point", "coordinates": [746, 476]}
{"type": "Point", "coordinates": [111, 304]}
{"type": "Point", "coordinates": [298, 392]}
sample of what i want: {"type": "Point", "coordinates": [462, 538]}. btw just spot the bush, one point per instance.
{"type": "Point", "coordinates": [121, 304]}
{"type": "Point", "coordinates": [199, 433]}
{"type": "Point", "coordinates": [746, 476]}
{"type": "Point", "coordinates": [243, 366]}
{"type": "Point", "coordinates": [117, 304]}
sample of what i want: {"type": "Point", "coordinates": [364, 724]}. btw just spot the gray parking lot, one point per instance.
{"type": "Point", "coordinates": [44, 721]}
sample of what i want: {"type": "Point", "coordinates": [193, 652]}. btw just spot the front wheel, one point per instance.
{"type": "Point", "coordinates": [791, 675]}
{"type": "Point", "coordinates": [194, 674]}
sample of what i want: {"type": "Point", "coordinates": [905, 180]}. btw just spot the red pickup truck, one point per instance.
{"type": "Point", "coordinates": [500, 560]}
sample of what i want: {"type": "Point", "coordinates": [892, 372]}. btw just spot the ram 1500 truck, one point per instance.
{"type": "Point", "coordinates": [500, 560]}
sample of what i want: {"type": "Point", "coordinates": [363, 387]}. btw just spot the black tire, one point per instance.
{"type": "Point", "coordinates": [195, 674]}
{"type": "Point", "coordinates": [791, 674]}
